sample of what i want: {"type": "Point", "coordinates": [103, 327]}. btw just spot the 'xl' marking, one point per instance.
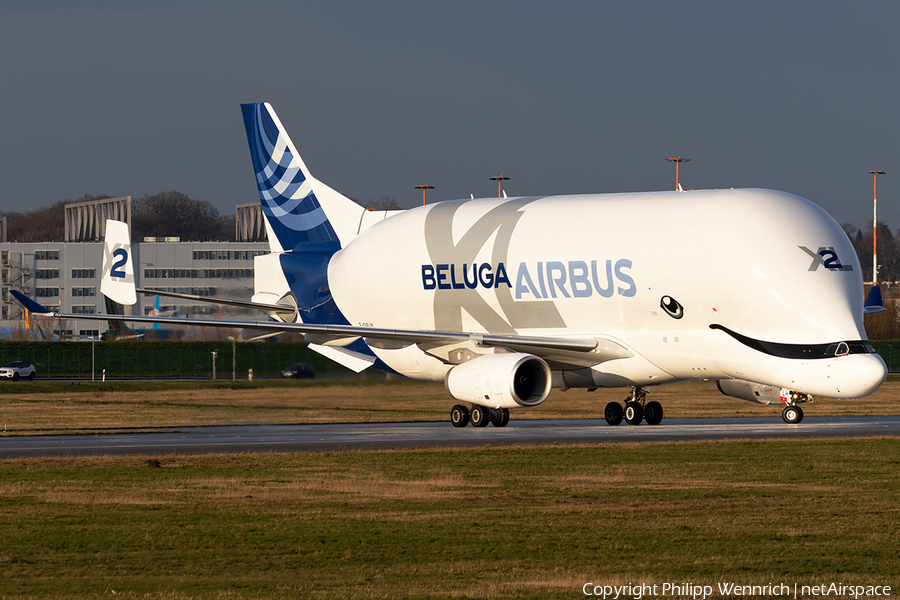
{"type": "Point", "coordinates": [827, 257]}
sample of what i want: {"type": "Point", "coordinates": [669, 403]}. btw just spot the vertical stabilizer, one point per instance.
{"type": "Point", "coordinates": [307, 223]}
{"type": "Point", "coordinates": [299, 209]}
{"type": "Point", "coordinates": [156, 313]}
{"type": "Point", "coordinates": [874, 302]}
{"type": "Point", "coordinates": [117, 278]}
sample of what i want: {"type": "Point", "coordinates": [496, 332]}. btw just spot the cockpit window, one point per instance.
{"type": "Point", "coordinates": [845, 348]}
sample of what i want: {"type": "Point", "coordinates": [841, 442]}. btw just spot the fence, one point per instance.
{"type": "Point", "coordinates": [194, 359]}
{"type": "Point", "coordinates": [133, 359]}
{"type": "Point", "coordinates": [890, 352]}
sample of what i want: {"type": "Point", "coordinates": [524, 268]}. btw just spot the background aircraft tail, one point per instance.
{"type": "Point", "coordinates": [117, 273]}
{"type": "Point", "coordinates": [299, 209]}
{"type": "Point", "coordinates": [156, 313]}
{"type": "Point", "coordinates": [874, 303]}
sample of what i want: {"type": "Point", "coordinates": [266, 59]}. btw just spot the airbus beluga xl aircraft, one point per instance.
{"type": "Point", "coordinates": [504, 298]}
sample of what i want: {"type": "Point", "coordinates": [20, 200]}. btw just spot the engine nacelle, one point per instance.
{"type": "Point", "coordinates": [752, 392]}
{"type": "Point", "coordinates": [508, 380]}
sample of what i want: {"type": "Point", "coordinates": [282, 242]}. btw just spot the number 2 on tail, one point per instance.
{"type": "Point", "coordinates": [122, 257]}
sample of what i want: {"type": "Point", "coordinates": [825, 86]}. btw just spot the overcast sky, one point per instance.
{"type": "Point", "coordinates": [134, 97]}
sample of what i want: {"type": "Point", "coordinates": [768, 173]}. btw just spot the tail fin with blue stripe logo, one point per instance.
{"type": "Point", "coordinates": [307, 222]}
{"type": "Point", "coordinates": [299, 209]}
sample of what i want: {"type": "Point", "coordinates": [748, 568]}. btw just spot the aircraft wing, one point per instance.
{"type": "Point", "coordinates": [556, 350]}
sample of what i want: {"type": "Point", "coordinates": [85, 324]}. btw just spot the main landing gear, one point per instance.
{"type": "Point", "coordinates": [479, 415]}
{"type": "Point", "coordinates": [636, 409]}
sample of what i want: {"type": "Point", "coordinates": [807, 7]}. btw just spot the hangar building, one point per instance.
{"type": "Point", "coordinates": [65, 275]}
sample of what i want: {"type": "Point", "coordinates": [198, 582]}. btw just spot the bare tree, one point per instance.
{"type": "Point", "coordinates": [383, 203]}
{"type": "Point", "coordinates": [42, 224]}
{"type": "Point", "coordinates": [177, 214]}
{"type": "Point", "coordinates": [41, 329]}
{"type": "Point", "coordinates": [888, 252]}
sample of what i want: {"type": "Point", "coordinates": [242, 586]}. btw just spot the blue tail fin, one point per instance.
{"type": "Point", "coordinates": [307, 222]}
{"type": "Point", "coordinates": [874, 303]}
{"type": "Point", "coordinates": [299, 209]}
{"type": "Point", "coordinates": [156, 313]}
{"type": "Point", "coordinates": [301, 234]}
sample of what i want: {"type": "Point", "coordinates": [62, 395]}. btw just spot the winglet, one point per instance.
{"type": "Point", "coordinates": [874, 303]}
{"type": "Point", "coordinates": [29, 304]}
{"type": "Point", "coordinates": [117, 279]}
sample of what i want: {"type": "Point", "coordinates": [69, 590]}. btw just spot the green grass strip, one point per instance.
{"type": "Point", "coordinates": [510, 522]}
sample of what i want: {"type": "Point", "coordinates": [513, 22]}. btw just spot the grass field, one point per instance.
{"type": "Point", "coordinates": [511, 522]}
{"type": "Point", "coordinates": [83, 407]}
{"type": "Point", "coordinates": [489, 522]}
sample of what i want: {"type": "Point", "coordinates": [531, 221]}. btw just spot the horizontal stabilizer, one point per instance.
{"type": "Point", "coordinates": [29, 304]}
{"type": "Point", "coordinates": [874, 303]}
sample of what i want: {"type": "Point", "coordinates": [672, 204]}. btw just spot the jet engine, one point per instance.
{"type": "Point", "coordinates": [752, 392]}
{"type": "Point", "coordinates": [509, 380]}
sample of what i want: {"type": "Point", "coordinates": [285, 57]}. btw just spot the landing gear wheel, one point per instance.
{"type": "Point", "coordinates": [480, 416]}
{"type": "Point", "coordinates": [634, 413]}
{"type": "Point", "coordinates": [653, 413]}
{"type": "Point", "coordinates": [613, 413]}
{"type": "Point", "coordinates": [792, 414]}
{"type": "Point", "coordinates": [459, 415]}
{"type": "Point", "coordinates": [500, 417]}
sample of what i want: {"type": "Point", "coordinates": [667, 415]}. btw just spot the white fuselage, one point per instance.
{"type": "Point", "coordinates": [649, 271]}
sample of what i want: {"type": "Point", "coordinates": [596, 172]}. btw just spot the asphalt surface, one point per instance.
{"type": "Point", "coordinates": [294, 438]}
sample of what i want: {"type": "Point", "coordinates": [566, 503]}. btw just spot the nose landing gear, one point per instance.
{"type": "Point", "coordinates": [792, 413]}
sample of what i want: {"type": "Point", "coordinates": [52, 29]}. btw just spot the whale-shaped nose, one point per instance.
{"type": "Point", "coordinates": [856, 375]}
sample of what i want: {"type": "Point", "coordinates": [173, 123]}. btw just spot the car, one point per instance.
{"type": "Point", "coordinates": [298, 370]}
{"type": "Point", "coordinates": [17, 369]}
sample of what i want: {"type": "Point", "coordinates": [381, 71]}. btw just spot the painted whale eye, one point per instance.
{"type": "Point", "coordinates": [672, 307]}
